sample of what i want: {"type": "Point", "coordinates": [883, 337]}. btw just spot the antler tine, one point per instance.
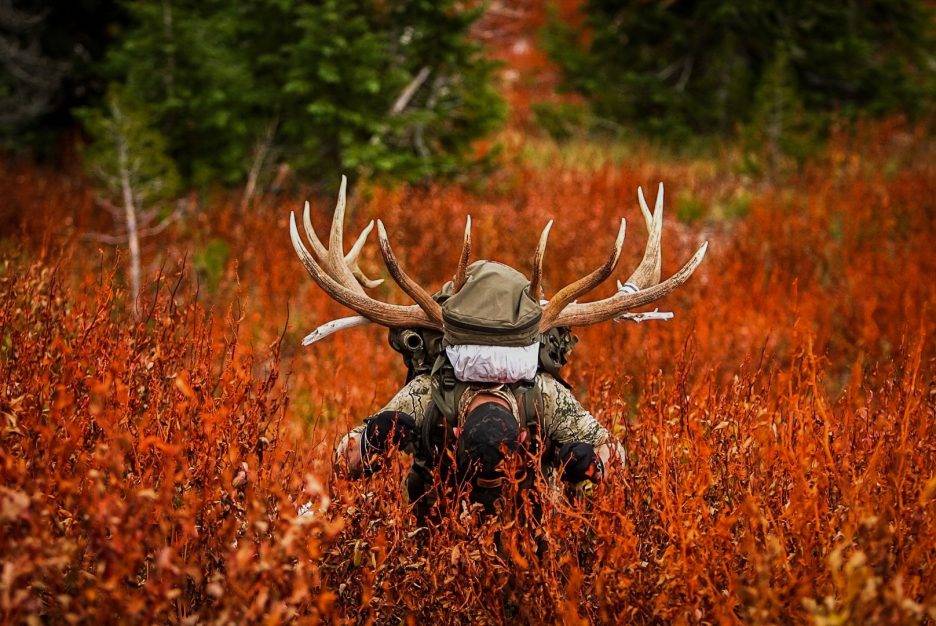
{"type": "Point", "coordinates": [569, 293]}
{"type": "Point", "coordinates": [317, 246]}
{"type": "Point", "coordinates": [536, 280]}
{"type": "Point", "coordinates": [609, 308]}
{"type": "Point", "coordinates": [422, 297]}
{"type": "Point", "coordinates": [391, 315]}
{"type": "Point", "coordinates": [351, 259]}
{"type": "Point", "coordinates": [336, 236]}
{"type": "Point", "coordinates": [461, 272]}
{"type": "Point", "coordinates": [648, 272]}
{"type": "Point", "coordinates": [341, 267]}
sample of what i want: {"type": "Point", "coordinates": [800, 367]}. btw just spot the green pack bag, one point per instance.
{"type": "Point", "coordinates": [493, 308]}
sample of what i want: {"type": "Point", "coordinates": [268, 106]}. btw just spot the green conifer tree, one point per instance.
{"type": "Point", "coordinates": [680, 68]}
{"type": "Point", "coordinates": [387, 88]}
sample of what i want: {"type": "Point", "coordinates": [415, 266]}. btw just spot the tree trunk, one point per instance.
{"type": "Point", "coordinates": [264, 143]}
{"type": "Point", "coordinates": [169, 75]}
{"type": "Point", "coordinates": [130, 215]}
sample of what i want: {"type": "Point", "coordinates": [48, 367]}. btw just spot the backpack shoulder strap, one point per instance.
{"type": "Point", "coordinates": [442, 413]}
{"type": "Point", "coordinates": [446, 388]}
{"type": "Point", "coordinates": [530, 402]}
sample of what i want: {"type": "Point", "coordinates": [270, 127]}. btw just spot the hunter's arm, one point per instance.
{"type": "Point", "coordinates": [357, 452]}
{"type": "Point", "coordinates": [577, 435]}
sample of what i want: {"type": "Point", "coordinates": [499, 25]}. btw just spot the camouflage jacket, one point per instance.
{"type": "Point", "coordinates": [564, 419]}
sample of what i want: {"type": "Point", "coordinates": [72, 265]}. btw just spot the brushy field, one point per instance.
{"type": "Point", "coordinates": [781, 430]}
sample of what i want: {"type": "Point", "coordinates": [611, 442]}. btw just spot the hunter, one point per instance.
{"type": "Point", "coordinates": [483, 356]}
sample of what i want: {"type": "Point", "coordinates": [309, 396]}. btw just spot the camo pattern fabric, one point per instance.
{"type": "Point", "coordinates": [413, 399]}
{"type": "Point", "coordinates": [565, 419]}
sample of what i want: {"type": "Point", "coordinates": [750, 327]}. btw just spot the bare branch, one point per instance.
{"type": "Point", "coordinates": [161, 226]}
{"type": "Point", "coordinates": [409, 91]}
{"type": "Point", "coordinates": [260, 153]}
{"type": "Point", "coordinates": [112, 240]}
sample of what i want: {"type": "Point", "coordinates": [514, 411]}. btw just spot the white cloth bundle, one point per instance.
{"type": "Point", "coordinates": [494, 364]}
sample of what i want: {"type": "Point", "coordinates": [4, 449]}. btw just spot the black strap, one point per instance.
{"type": "Point", "coordinates": [442, 413]}
{"type": "Point", "coordinates": [530, 402]}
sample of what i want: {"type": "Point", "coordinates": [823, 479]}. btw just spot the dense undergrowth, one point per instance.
{"type": "Point", "coordinates": [780, 430]}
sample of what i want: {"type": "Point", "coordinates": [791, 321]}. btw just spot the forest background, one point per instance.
{"type": "Point", "coordinates": [161, 425]}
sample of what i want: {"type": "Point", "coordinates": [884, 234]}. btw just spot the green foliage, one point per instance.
{"type": "Point", "coordinates": [125, 145]}
{"type": "Point", "coordinates": [210, 260]}
{"type": "Point", "coordinates": [689, 208]}
{"type": "Point", "coordinates": [316, 81]}
{"type": "Point", "coordinates": [562, 120]}
{"type": "Point", "coordinates": [678, 69]}
{"type": "Point", "coordinates": [738, 205]}
{"type": "Point", "coordinates": [781, 132]}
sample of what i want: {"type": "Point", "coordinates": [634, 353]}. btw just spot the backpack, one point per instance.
{"type": "Point", "coordinates": [494, 307]}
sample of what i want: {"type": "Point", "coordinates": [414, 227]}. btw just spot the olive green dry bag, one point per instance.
{"type": "Point", "coordinates": [493, 308]}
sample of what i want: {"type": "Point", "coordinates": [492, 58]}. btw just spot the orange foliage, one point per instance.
{"type": "Point", "coordinates": [780, 430]}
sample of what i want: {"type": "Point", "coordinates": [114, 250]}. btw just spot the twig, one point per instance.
{"type": "Point", "coordinates": [260, 153]}
{"type": "Point", "coordinates": [404, 98]}
{"type": "Point", "coordinates": [121, 237]}
{"type": "Point", "coordinates": [409, 91]}
{"type": "Point", "coordinates": [112, 240]}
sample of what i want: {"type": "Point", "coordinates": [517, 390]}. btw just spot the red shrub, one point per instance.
{"type": "Point", "coordinates": [780, 431]}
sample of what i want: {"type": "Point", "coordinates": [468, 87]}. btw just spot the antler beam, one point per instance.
{"type": "Point", "coordinates": [643, 287]}
{"type": "Point", "coordinates": [571, 292]}
{"type": "Point", "coordinates": [339, 275]}
{"type": "Point", "coordinates": [602, 310]}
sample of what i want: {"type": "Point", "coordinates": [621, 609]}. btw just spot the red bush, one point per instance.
{"type": "Point", "coordinates": [780, 431]}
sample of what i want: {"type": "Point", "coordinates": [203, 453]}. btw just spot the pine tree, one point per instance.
{"type": "Point", "coordinates": [48, 56]}
{"type": "Point", "coordinates": [181, 58]}
{"type": "Point", "coordinates": [30, 78]}
{"type": "Point", "coordinates": [385, 88]}
{"type": "Point", "coordinates": [780, 131]}
{"type": "Point", "coordinates": [680, 68]}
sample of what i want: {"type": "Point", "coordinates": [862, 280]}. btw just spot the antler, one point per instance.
{"type": "Point", "coordinates": [648, 272]}
{"type": "Point", "coordinates": [422, 297]}
{"type": "Point", "coordinates": [571, 292]}
{"type": "Point", "coordinates": [342, 267]}
{"type": "Point", "coordinates": [338, 274]}
{"type": "Point", "coordinates": [461, 272]}
{"type": "Point", "coordinates": [643, 287]}
{"type": "Point", "coordinates": [536, 281]}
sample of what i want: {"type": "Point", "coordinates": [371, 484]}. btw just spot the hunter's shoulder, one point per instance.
{"type": "Point", "coordinates": [413, 397]}
{"type": "Point", "coordinates": [544, 379]}
{"type": "Point", "coordinates": [549, 384]}
{"type": "Point", "coordinates": [420, 382]}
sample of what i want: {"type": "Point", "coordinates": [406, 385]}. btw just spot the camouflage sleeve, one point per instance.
{"type": "Point", "coordinates": [413, 399]}
{"type": "Point", "coordinates": [565, 420]}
